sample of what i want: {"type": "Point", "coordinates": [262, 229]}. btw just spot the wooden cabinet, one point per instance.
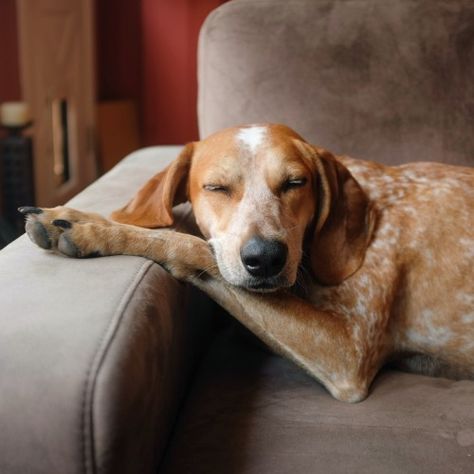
{"type": "Point", "coordinates": [57, 76]}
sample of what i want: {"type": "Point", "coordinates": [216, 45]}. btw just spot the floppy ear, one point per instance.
{"type": "Point", "coordinates": [153, 205]}
{"type": "Point", "coordinates": [345, 221]}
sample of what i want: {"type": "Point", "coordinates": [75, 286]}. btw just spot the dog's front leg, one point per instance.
{"type": "Point", "coordinates": [80, 234]}
{"type": "Point", "coordinates": [320, 342]}
{"type": "Point", "coordinates": [323, 344]}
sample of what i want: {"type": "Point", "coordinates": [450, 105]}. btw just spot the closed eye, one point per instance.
{"type": "Point", "coordinates": [217, 188]}
{"type": "Point", "coordinates": [293, 183]}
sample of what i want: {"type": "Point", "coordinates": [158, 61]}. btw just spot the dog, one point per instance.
{"type": "Point", "coordinates": [341, 265]}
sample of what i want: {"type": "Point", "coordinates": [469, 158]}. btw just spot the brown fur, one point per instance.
{"type": "Point", "coordinates": [391, 251]}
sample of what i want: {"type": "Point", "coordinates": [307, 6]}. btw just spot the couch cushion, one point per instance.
{"type": "Point", "coordinates": [390, 81]}
{"type": "Point", "coordinates": [253, 412]}
{"type": "Point", "coordinates": [94, 353]}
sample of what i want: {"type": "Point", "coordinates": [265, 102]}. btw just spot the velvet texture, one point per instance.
{"type": "Point", "coordinates": [95, 354]}
{"type": "Point", "coordinates": [252, 412]}
{"type": "Point", "coordinates": [386, 81]}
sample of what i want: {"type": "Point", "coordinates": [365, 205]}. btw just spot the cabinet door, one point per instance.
{"type": "Point", "coordinates": [57, 75]}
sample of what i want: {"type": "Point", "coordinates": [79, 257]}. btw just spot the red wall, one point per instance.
{"type": "Point", "coordinates": [119, 51]}
{"type": "Point", "coordinates": [170, 34]}
{"type": "Point", "coordinates": [9, 66]}
{"type": "Point", "coordinates": [146, 51]}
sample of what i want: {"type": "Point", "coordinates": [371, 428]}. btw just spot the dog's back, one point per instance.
{"type": "Point", "coordinates": [416, 286]}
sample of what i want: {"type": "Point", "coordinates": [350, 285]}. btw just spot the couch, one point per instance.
{"type": "Point", "coordinates": [109, 365]}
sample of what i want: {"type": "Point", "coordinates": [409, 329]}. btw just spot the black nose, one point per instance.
{"type": "Point", "coordinates": [263, 258]}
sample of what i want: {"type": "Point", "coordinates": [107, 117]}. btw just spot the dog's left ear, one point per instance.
{"type": "Point", "coordinates": [344, 222]}
{"type": "Point", "coordinates": [152, 206]}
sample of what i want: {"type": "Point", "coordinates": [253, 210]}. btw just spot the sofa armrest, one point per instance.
{"type": "Point", "coordinates": [94, 353]}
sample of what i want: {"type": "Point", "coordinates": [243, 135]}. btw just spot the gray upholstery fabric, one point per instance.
{"type": "Point", "coordinates": [251, 412]}
{"type": "Point", "coordinates": [95, 353]}
{"type": "Point", "coordinates": [389, 81]}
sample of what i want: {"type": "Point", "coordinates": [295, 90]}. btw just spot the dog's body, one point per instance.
{"type": "Point", "coordinates": [415, 290]}
{"type": "Point", "coordinates": [385, 255]}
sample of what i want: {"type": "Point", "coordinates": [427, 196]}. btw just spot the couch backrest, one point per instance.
{"type": "Point", "coordinates": [391, 81]}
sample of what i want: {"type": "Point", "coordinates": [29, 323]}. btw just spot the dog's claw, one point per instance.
{"type": "Point", "coordinates": [25, 210]}
{"type": "Point", "coordinates": [62, 223]}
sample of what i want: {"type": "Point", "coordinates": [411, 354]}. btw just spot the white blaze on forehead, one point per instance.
{"type": "Point", "coordinates": [252, 137]}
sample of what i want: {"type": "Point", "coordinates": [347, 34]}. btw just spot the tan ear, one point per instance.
{"type": "Point", "coordinates": [345, 221]}
{"type": "Point", "coordinates": [153, 205]}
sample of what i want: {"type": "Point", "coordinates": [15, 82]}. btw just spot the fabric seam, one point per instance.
{"type": "Point", "coordinates": [87, 428]}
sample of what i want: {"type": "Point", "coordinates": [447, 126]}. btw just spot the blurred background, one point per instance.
{"type": "Point", "coordinates": [83, 83]}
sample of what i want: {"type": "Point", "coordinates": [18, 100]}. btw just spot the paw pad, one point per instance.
{"type": "Point", "coordinates": [67, 247]}
{"type": "Point", "coordinates": [71, 232]}
{"type": "Point", "coordinates": [38, 234]}
{"type": "Point", "coordinates": [62, 223]}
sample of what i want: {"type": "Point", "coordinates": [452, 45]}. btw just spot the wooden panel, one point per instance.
{"type": "Point", "coordinates": [57, 74]}
{"type": "Point", "coordinates": [117, 127]}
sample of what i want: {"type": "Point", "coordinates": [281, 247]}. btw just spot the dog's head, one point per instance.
{"type": "Point", "coordinates": [261, 195]}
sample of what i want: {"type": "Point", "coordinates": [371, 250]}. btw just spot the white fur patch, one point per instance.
{"type": "Point", "coordinates": [252, 137]}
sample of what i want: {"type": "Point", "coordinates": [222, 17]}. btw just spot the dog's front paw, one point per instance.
{"type": "Point", "coordinates": [72, 233]}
